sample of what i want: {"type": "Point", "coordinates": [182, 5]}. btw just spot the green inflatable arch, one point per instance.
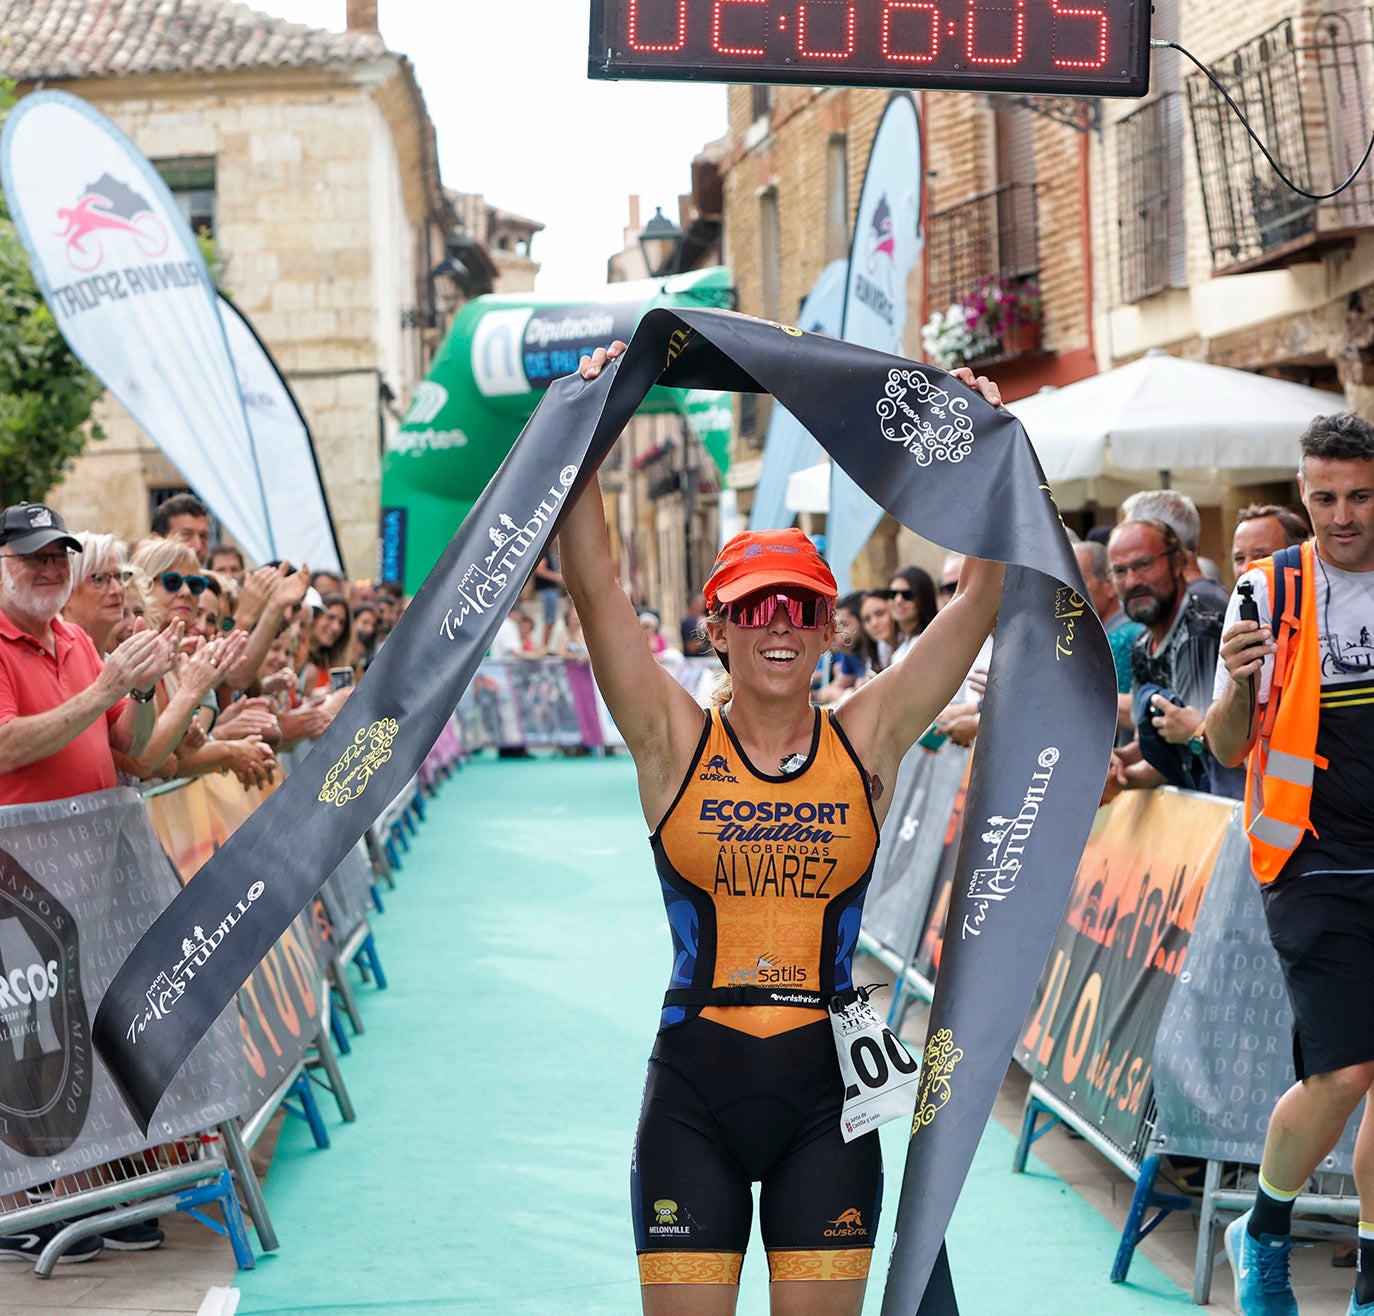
{"type": "Point", "coordinates": [500, 355]}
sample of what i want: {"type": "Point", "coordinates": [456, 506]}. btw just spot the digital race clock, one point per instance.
{"type": "Point", "coordinates": [1061, 47]}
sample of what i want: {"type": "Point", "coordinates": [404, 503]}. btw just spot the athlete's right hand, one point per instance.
{"type": "Point", "coordinates": [591, 366]}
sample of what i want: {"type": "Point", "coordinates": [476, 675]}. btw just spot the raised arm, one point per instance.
{"type": "Point", "coordinates": [658, 718]}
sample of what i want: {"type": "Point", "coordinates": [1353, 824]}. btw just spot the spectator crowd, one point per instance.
{"type": "Point", "coordinates": [135, 663]}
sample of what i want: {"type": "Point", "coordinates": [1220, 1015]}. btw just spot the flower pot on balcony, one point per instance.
{"type": "Point", "coordinates": [1020, 338]}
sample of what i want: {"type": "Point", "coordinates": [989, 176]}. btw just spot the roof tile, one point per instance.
{"type": "Point", "coordinates": [54, 40]}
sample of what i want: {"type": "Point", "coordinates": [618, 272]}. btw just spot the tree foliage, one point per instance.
{"type": "Point", "coordinates": [46, 394]}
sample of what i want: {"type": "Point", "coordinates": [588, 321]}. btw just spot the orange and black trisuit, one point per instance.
{"type": "Point", "coordinates": [763, 876]}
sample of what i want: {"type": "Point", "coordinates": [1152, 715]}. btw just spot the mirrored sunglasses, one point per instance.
{"type": "Point", "coordinates": [807, 612]}
{"type": "Point", "coordinates": [172, 581]}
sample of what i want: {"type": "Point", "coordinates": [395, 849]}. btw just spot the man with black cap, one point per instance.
{"type": "Point", "coordinates": [61, 709]}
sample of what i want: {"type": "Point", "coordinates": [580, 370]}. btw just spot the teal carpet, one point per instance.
{"type": "Point", "coordinates": [498, 1082]}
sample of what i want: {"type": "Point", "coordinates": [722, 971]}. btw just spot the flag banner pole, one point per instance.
{"type": "Point", "coordinates": [937, 457]}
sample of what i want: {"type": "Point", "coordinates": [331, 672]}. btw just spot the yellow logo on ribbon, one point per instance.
{"type": "Point", "coordinates": [678, 341]}
{"type": "Point", "coordinates": [349, 777]}
{"type": "Point", "coordinates": [936, 1067]}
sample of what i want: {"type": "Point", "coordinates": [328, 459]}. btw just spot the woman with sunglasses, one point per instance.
{"type": "Point", "coordinates": [97, 598]}
{"type": "Point", "coordinates": [177, 580]}
{"type": "Point", "coordinates": [764, 814]}
{"type": "Point", "coordinates": [911, 596]}
{"type": "Point", "coordinates": [177, 747]}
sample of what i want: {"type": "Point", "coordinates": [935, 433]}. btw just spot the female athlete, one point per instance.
{"type": "Point", "coordinates": [764, 815]}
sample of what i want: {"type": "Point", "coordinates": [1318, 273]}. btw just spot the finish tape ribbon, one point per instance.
{"type": "Point", "coordinates": [934, 455]}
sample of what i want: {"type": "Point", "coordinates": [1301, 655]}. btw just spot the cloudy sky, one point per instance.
{"type": "Point", "coordinates": [524, 125]}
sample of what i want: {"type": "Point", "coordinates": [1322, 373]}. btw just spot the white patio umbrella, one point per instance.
{"type": "Point", "coordinates": [1165, 415]}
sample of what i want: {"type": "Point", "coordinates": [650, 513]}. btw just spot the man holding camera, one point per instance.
{"type": "Point", "coordinates": [1297, 699]}
{"type": "Point", "coordinates": [1173, 662]}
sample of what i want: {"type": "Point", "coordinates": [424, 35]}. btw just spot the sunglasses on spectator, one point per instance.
{"type": "Point", "coordinates": [807, 612]}
{"type": "Point", "coordinates": [226, 624]}
{"type": "Point", "coordinates": [172, 581]}
{"type": "Point", "coordinates": [947, 586]}
{"type": "Point", "coordinates": [909, 595]}
{"type": "Point", "coordinates": [100, 579]}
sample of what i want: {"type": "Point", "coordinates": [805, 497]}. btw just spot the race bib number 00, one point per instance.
{"type": "Point", "coordinates": [878, 1072]}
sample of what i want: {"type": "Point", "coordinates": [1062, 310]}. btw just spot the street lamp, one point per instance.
{"type": "Point", "coordinates": [660, 240]}
{"type": "Point", "coordinates": [448, 281]}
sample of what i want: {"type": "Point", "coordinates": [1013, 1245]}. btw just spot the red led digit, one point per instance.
{"type": "Point", "coordinates": [632, 38]}
{"type": "Point", "coordinates": [1014, 49]}
{"type": "Point", "coordinates": [803, 49]}
{"type": "Point", "coordinates": [932, 12]}
{"type": "Point", "coordinates": [718, 44]}
{"type": "Point", "coordinates": [1092, 15]}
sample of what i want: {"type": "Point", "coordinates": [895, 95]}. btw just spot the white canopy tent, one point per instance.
{"type": "Point", "coordinates": [1177, 422]}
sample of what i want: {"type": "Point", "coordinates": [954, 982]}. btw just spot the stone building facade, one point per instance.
{"type": "Point", "coordinates": [311, 159]}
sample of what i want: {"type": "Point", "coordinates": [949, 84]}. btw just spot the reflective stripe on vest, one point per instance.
{"type": "Point", "coordinates": [1281, 835]}
{"type": "Point", "coordinates": [1289, 767]}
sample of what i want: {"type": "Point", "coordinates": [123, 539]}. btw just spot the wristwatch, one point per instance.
{"type": "Point", "coordinates": [142, 696]}
{"type": "Point", "coordinates": [1196, 741]}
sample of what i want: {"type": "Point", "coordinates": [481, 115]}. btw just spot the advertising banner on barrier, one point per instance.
{"type": "Point", "coordinates": [1090, 1037]}
{"type": "Point", "coordinates": [913, 839]}
{"type": "Point", "coordinates": [1224, 1048]}
{"type": "Point", "coordinates": [279, 1003]}
{"type": "Point", "coordinates": [937, 912]}
{"type": "Point", "coordinates": [346, 897]}
{"type": "Point", "coordinates": [80, 881]}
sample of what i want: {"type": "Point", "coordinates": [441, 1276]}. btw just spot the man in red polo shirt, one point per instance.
{"type": "Point", "coordinates": [61, 708]}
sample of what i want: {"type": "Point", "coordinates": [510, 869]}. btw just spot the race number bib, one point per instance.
{"type": "Point", "coordinates": [879, 1074]}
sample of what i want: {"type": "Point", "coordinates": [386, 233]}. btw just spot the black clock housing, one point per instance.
{"type": "Point", "coordinates": [1046, 47]}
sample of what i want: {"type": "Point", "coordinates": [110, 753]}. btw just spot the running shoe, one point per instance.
{"type": "Point", "coordinates": [1260, 1267]}
{"type": "Point", "coordinates": [141, 1236]}
{"type": "Point", "coordinates": [26, 1247]}
{"type": "Point", "coordinates": [1359, 1308]}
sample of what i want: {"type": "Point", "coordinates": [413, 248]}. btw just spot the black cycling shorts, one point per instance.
{"type": "Point", "coordinates": [1322, 925]}
{"type": "Point", "coordinates": [722, 1110]}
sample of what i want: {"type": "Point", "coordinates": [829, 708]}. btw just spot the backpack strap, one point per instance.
{"type": "Point", "coordinates": [1285, 610]}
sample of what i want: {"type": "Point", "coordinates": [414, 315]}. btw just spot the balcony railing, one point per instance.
{"type": "Point", "coordinates": [1306, 90]}
{"type": "Point", "coordinates": [993, 237]}
{"type": "Point", "coordinates": [1149, 218]}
